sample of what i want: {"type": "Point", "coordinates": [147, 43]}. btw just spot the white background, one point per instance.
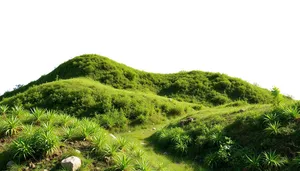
{"type": "Point", "coordinates": [257, 40]}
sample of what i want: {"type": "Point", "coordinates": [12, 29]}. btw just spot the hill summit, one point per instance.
{"type": "Point", "coordinates": [195, 86]}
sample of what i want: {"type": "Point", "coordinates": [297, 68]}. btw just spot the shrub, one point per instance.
{"type": "Point", "coordinates": [253, 162]}
{"type": "Point", "coordinates": [17, 110]}
{"type": "Point", "coordinates": [273, 161]}
{"type": "Point", "coordinates": [273, 128]}
{"type": "Point", "coordinates": [22, 148]}
{"type": "Point", "coordinates": [122, 162]}
{"type": "Point", "coordinates": [37, 113]}
{"type": "Point", "coordinates": [142, 165]}
{"type": "Point", "coordinates": [12, 126]}
{"type": "Point", "coordinates": [3, 109]}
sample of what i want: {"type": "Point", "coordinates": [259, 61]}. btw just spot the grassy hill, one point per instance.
{"type": "Point", "coordinates": [194, 86]}
{"type": "Point", "coordinates": [188, 120]}
{"type": "Point", "coordinates": [246, 137]}
{"type": "Point", "coordinates": [111, 107]}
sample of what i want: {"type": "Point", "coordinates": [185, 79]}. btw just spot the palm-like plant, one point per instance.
{"type": "Point", "coordinates": [98, 143]}
{"type": "Point", "coordinates": [122, 163]}
{"type": "Point", "coordinates": [17, 110]}
{"type": "Point", "coordinates": [111, 150]}
{"type": "Point", "coordinates": [292, 111]}
{"type": "Point", "coordinates": [22, 149]}
{"type": "Point", "coordinates": [253, 162]}
{"type": "Point", "coordinates": [122, 142]}
{"type": "Point", "coordinates": [270, 117]}
{"type": "Point", "coordinates": [3, 109]}
{"type": "Point", "coordinates": [142, 165]}
{"type": "Point", "coordinates": [273, 161]}
{"type": "Point", "coordinates": [273, 128]}
{"type": "Point", "coordinates": [46, 141]}
{"type": "Point", "coordinates": [37, 113]}
{"type": "Point", "coordinates": [12, 126]}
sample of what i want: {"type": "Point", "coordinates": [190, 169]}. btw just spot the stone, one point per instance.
{"type": "Point", "coordinates": [153, 128]}
{"type": "Point", "coordinates": [10, 163]}
{"type": "Point", "coordinates": [72, 163]}
{"type": "Point", "coordinates": [77, 151]}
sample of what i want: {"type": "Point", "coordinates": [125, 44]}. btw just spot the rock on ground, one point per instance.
{"type": "Point", "coordinates": [72, 163]}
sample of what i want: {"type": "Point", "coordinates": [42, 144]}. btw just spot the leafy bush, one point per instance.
{"type": "Point", "coordinates": [11, 126]}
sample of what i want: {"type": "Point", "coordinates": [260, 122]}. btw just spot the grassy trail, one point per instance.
{"type": "Point", "coordinates": [171, 163]}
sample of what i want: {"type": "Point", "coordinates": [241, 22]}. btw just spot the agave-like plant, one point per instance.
{"type": "Point", "coordinates": [270, 117]}
{"type": "Point", "coordinates": [3, 109]}
{"type": "Point", "coordinates": [98, 143]}
{"type": "Point", "coordinates": [253, 162]}
{"type": "Point", "coordinates": [122, 163]}
{"type": "Point", "coordinates": [110, 150]}
{"type": "Point", "coordinates": [22, 148]}
{"type": "Point", "coordinates": [38, 114]}
{"type": "Point", "coordinates": [46, 141]}
{"type": "Point", "coordinates": [122, 142]}
{"type": "Point", "coordinates": [273, 128]}
{"type": "Point", "coordinates": [292, 111]}
{"type": "Point", "coordinates": [17, 110]}
{"type": "Point", "coordinates": [12, 126]}
{"type": "Point", "coordinates": [138, 153]}
{"type": "Point", "coordinates": [273, 161]}
{"type": "Point", "coordinates": [142, 165]}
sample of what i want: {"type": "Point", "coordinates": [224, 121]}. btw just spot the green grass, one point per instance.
{"type": "Point", "coordinates": [194, 86]}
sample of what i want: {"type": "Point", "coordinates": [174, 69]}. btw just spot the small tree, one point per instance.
{"type": "Point", "coordinates": [277, 96]}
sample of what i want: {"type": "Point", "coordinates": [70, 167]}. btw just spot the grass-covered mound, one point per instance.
{"type": "Point", "coordinates": [109, 106]}
{"type": "Point", "coordinates": [40, 139]}
{"type": "Point", "coordinates": [195, 86]}
{"type": "Point", "coordinates": [246, 137]}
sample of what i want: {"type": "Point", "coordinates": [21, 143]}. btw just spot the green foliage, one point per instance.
{"type": "Point", "coordinates": [273, 128]}
{"type": "Point", "coordinates": [254, 162]}
{"type": "Point", "coordinates": [277, 97]}
{"type": "Point", "coordinates": [142, 165]}
{"type": "Point", "coordinates": [273, 161]}
{"type": "Point", "coordinates": [194, 86]}
{"type": "Point", "coordinates": [3, 109]}
{"type": "Point", "coordinates": [11, 126]}
{"type": "Point", "coordinates": [22, 148]}
{"type": "Point", "coordinates": [122, 163]}
{"type": "Point", "coordinates": [38, 114]}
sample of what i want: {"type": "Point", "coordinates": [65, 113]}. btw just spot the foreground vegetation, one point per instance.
{"type": "Point", "coordinates": [252, 137]}
{"type": "Point", "coordinates": [188, 120]}
{"type": "Point", "coordinates": [40, 139]}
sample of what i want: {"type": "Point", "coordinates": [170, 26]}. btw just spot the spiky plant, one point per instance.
{"type": "Point", "coordinates": [17, 110]}
{"type": "Point", "coordinates": [138, 153]}
{"type": "Point", "coordinates": [122, 163]}
{"type": "Point", "coordinates": [142, 165]}
{"type": "Point", "coordinates": [38, 114]}
{"type": "Point", "coordinates": [292, 111]}
{"type": "Point", "coordinates": [273, 161]}
{"type": "Point", "coordinates": [98, 143]}
{"type": "Point", "coordinates": [68, 133]}
{"type": "Point", "coordinates": [50, 114]}
{"type": "Point", "coordinates": [12, 126]}
{"type": "Point", "coordinates": [46, 141]}
{"type": "Point", "coordinates": [253, 162]}
{"type": "Point", "coordinates": [122, 142]}
{"type": "Point", "coordinates": [273, 128]}
{"type": "Point", "coordinates": [3, 110]}
{"type": "Point", "coordinates": [111, 150]}
{"type": "Point", "coordinates": [270, 117]}
{"type": "Point", "coordinates": [22, 148]}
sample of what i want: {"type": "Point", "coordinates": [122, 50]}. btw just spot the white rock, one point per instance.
{"type": "Point", "coordinates": [72, 163]}
{"type": "Point", "coordinates": [114, 137]}
{"type": "Point", "coordinates": [77, 151]}
{"type": "Point", "coordinates": [153, 128]}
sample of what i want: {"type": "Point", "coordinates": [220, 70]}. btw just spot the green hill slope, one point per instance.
{"type": "Point", "coordinates": [247, 137]}
{"type": "Point", "coordinates": [112, 107]}
{"type": "Point", "coordinates": [195, 86]}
